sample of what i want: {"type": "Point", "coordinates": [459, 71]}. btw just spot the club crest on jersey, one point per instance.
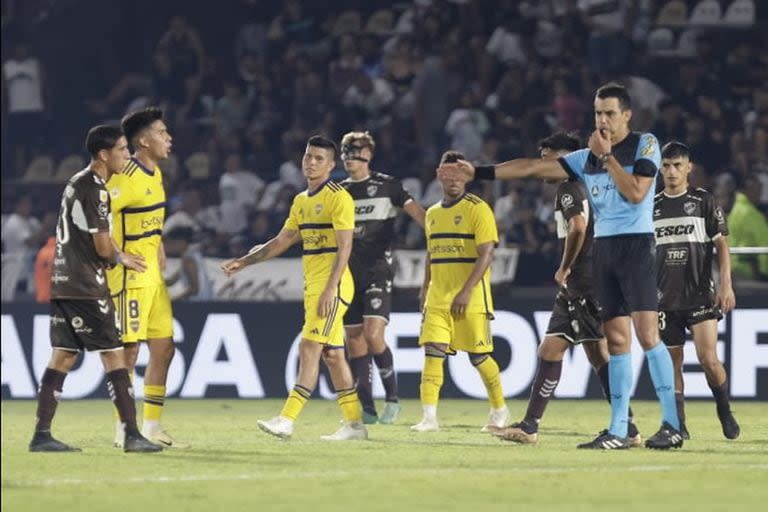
{"type": "Point", "coordinates": [103, 209]}
{"type": "Point", "coordinates": [103, 196]}
{"type": "Point", "coordinates": [371, 190]}
{"type": "Point", "coordinates": [376, 303]}
{"type": "Point", "coordinates": [566, 200]}
{"type": "Point", "coordinates": [689, 207]}
{"type": "Point", "coordinates": [134, 325]}
{"type": "Point", "coordinates": [457, 219]}
{"type": "Point", "coordinates": [318, 209]}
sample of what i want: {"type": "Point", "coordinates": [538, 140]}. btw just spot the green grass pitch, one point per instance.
{"type": "Point", "coordinates": [233, 466]}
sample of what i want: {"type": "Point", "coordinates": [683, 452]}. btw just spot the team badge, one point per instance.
{"type": "Point", "coordinates": [134, 325]}
{"type": "Point", "coordinates": [103, 209]}
{"type": "Point", "coordinates": [566, 200]}
{"type": "Point", "coordinates": [371, 190]}
{"type": "Point", "coordinates": [457, 219]}
{"type": "Point", "coordinates": [376, 303]}
{"type": "Point", "coordinates": [114, 192]}
{"type": "Point", "coordinates": [595, 190]}
{"type": "Point", "coordinates": [69, 191]}
{"type": "Point", "coordinates": [77, 322]}
{"type": "Point", "coordinates": [318, 209]}
{"type": "Point", "coordinates": [103, 196]}
{"type": "Point", "coordinates": [689, 207]}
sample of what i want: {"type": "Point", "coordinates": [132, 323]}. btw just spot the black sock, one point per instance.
{"type": "Point", "coordinates": [48, 398]}
{"type": "Point", "coordinates": [544, 384]}
{"type": "Point", "coordinates": [680, 403]}
{"type": "Point", "coordinates": [361, 371]}
{"type": "Point", "coordinates": [721, 397]}
{"type": "Point", "coordinates": [386, 366]}
{"type": "Point", "coordinates": [121, 393]}
{"type": "Point", "coordinates": [605, 385]}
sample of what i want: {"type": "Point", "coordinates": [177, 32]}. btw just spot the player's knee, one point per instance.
{"type": "Point", "coordinates": [162, 350]}
{"type": "Point", "coordinates": [709, 360]}
{"type": "Point", "coordinates": [333, 357]}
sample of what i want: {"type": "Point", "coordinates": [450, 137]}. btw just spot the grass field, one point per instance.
{"type": "Point", "coordinates": [233, 466]}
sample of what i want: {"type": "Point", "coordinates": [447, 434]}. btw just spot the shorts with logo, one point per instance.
{"type": "Point", "coordinates": [576, 319]}
{"type": "Point", "coordinates": [327, 330]}
{"type": "Point", "coordinates": [144, 313]}
{"type": "Point", "coordinates": [624, 270]}
{"type": "Point", "coordinates": [84, 324]}
{"type": "Point", "coordinates": [672, 324]}
{"type": "Point", "coordinates": [470, 333]}
{"type": "Point", "coordinates": [373, 296]}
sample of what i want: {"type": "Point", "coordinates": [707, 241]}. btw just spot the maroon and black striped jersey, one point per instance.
{"type": "Point", "coordinates": [571, 200]}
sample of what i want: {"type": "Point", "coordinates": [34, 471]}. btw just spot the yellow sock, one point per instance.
{"type": "Point", "coordinates": [154, 398]}
{"type": "Point", "coordinates": [295, 402]}
{"type": "Point", "coordinates": [489, 372]}
{"type": "Point", "coordinates": [351, 410]}
{"type": "Point", "coordinates": [431, 379]}
{"type": "Point", "coordinates": [114, 409]}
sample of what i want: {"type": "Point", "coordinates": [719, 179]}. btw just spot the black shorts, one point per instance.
{"type": "Point", "coordinates": [624, 270]}
{"type": "Point", "coordinates": [373, 297]}
{"type": "Point", "coordinates": [672, 324]}
{"type": "Point", "coordinates": [577, 320]}
{"type": "Point", "coordinates": [86, 324]}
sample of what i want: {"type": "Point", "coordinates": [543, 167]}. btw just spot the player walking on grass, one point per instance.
{"type": "Point", "coordinates": [378, 198]}
{"type": "Point", "coordinates": [322, 218]}
{"type": "Point", "coordinates": [142, 300]}
{"type": "Point", "coordinates": [688, 224]}
{"type": "Point", "coordinates": [618, 170]}
{"type": "Point", "coordinates": [457, 302]}
{"type": "Point", "coordinates": [82, 315]}
{"type": "Point", "coordinates": [575, 316]}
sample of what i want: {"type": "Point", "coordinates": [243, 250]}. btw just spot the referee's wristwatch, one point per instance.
{"type": "Point", "coordinates": [605, 156]}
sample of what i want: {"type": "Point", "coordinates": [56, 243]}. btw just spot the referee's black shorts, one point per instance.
{"type": "Point", "coordinates": [624, 269]}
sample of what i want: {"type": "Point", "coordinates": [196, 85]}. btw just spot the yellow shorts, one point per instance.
{"type": "Point", "coordinates": [329, 330]}
{"type": "Point", "coordinates": [471, 333]}
{"type": "Point", "coordinates": [144, 313]}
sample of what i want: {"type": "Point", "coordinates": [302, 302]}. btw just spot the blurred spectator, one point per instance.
{"type": "Point", "coordinates": [231, 112]}
{"type": "Point", "coordinates": [22, 232]}
{"type": "Point", "coordinates": [192, 273]}
{"type": "Point", "coordinates": [467, 125]}
{"type": "Point", "coordinates": [44, 271]}
{"type": "Point", "coordinates": [240, 191]}
{"type": "Point", "coordinates": [608, 43]}
{"type": "Point", "coordinates": [24, 93]}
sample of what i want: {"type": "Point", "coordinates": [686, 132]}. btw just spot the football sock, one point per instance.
{"type": "Point", "coordinates": [544, 384]}
{"type": "Point", "coordinates": [386, 366]}
{"type": "Point", "coordinates": [663, 377]}
{"type": "Point", "coordinates": [680, 405]}
{"type": "Point", "coordinates": [154, 398]}
{"type": "Point", "coordinates": [489, 373]}
{"type": "Point", "coordinates": [431, 377]}
{"type": "Point", "coordinates": [295, 402]}
{"type": "Point", "coordinates": [620, 378]}
{"type": "Point", "coordinates": [121, 393]}
{"type": "Point", "coordinates": [350, 405]}
{"type": "Point", "coordinates": [114, 409]}
{"type": "Point", "coordinates": [48, 396]}
{"type": "Point", "coordinates": [721, 397]}
{"type": "Point", "coordinates": [361, 371]}
{"type": "Point", "coordinates": [605, 384]}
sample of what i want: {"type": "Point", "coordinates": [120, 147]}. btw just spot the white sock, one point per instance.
{"type": "Point", "coordinates": [150, 427]}
{"type": "Point", "coordinates": [430, 412]}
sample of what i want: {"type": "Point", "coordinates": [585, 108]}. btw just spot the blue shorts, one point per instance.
{"type": "Point", "coordinates": [624, 269]}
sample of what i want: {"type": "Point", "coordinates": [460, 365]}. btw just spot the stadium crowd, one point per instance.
{"type": "Point", "coordinates": [243, 90]}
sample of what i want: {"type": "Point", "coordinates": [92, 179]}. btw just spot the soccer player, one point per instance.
{"type": "Point", "coordinates": [142, 301]}
{"type": "Point", "coordinates": [688, 224]}
{"type": "Point", "coordinates": [618, 170]}
{"type": "Point", "coordinates": [378, 197]}
{"type": "Point", "coordinates": [322, 218]}
{"type": "Point", "coordinates": [82, 315]}
{"type": "Point", "coordinates": [457, 302]}
{"type": "Point", "coordinates": [575, 319]}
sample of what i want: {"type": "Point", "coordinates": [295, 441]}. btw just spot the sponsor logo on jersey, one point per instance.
{"type": "Point", "coordinates": [58, 320]}
{"type": "Point", "coordinates": [679, 229]}
{"type": "Point", "coordinates": [99, 277]}
{"type": "Point", "coordinates": [59, 261]}
{"type": "Point", "coordinates": [77, 322]}
{"type": "Point", "coordinates": [447, 249]}
{"type": "Point", "coordinates": [595, 190]}
{"type": "Point", "coordinates": [566, 200]}
{"type": "Point", "coordinates": [58, 278]}
{"type": "Point", "coordinates": [103, 196]}
{"type": "Point", "coordinates": [315, 239]}
{"type": "Point", "coordinates": [103, 210]}
{"type": "Point", "coordinates": [153, 222]}
{"type": "Point", "coordinates": [364, 210]}
{"type": "Point", "coordinates": [689, 207]}
{"type": "Point", "coordinates": [677, 256]}
{"type": "Point", "coordinates": [148, 192]}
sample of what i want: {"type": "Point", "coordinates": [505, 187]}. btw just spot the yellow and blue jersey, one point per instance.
{"type": "Point", "coordinates": [317, 216]}
{"type": "Point", "coordinates": [138, 210]}
{"type": "Point", "coordinates": [453, 233]}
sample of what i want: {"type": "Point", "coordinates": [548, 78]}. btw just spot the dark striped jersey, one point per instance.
{"type": "Point", "coordinates": [570, 201]}
{"type": "Point", "coordinates": [78, 271]}
{"type": "Point", "coordinates": [378, 199]}
{"type": "Point", "coordinates": [454, 231]}
{"type": "Point", "coordinates": [686, 226]}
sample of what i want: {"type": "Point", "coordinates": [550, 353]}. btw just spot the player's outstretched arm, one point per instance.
{"type": "Point", "coordinates": [484, 259]}
{"type": "Point", "coordinates": [415, 211]}
{"type": "Point", "coordinates": [519, 168]}
{"type": "Point", "coordinates": [726, 299]}
{"type": "Point", "coordinates": [273, 248]}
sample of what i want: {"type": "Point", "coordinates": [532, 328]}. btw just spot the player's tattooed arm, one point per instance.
{"type": "Point", "coordinates": [262, 252]}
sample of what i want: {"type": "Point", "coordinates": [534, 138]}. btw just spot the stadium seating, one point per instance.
{"type": "Point", "coordinates": [39, 170]}
{"type": "Point", "coordinates": [706, 13]}
{"type": "Point", "coordinates": [68, 166]}
{"type": "Point", "coordinates": [740, 13]}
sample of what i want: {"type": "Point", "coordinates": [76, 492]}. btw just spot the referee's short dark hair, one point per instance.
{"type": "Point", "coordinates": [615, 90]}
{"type": "Point", "coordinates": [675, 149]}
{"type": "Point", "coordinates": [136, 122]}
{"type": "Point", "coordinates": [561, 141]}
{"type": "Point", "coordinates": [103, 136]}
{"type": "Point", "coordinates": [319, 141]}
